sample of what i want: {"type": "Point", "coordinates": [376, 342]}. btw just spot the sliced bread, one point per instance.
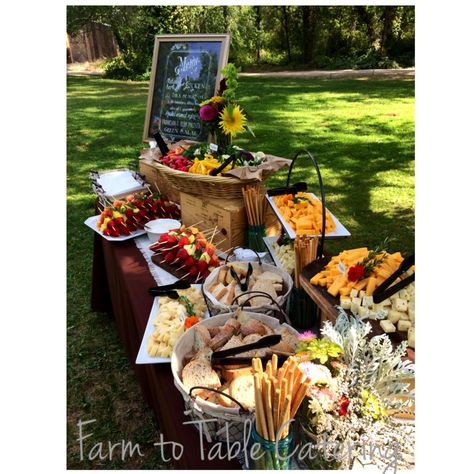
{"type": "Point", "coordinates": [200, 373]}
{"type": "Point", "coordinates": [242, 389]}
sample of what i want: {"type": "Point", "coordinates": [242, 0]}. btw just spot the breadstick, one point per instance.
{"type": "Point", "coordinates": [285, 416]}
{"type": "Point", "coordinates": [259, 365]}
{"type": "Point", "coordinates": [259, 410]}
{"type": "Point", "coordinates": [290, 375]}
{"type": "Point", "coordinates": [268, 409]}
{"type": "Point", "coordinates": [299, 397]}
{"type": "Point", "coordinates": [276, 409]}
{"type": "Point", "coordinates": [297, 381]}
{"type": "Point", "coordinates": [269, 369]}
{"type": "Point", "coordinates": [284, 388]}
{"type": "Point", "coordinates": [274, 364]}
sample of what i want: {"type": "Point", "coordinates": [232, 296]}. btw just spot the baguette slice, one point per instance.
{"type": "Point", "coordinates": [220, 292]}
{"type": "Point", "coordinates": [271, 277]}
{"type": "Point", "coordinates": [221, 276]}
{"type": "Point", "coordinates": [230, 375]}
{"type": "Point", "coordinates": [242, 389]}
{"type": "Point", "coordinates": [200, 373]}
{"type": "Point", "coordinates": [267, 287]}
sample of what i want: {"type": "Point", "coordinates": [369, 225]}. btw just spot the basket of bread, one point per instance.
{"type": "Point", "coordinates": [227, 285]}
{"type": "Point", "coordinates": [212, 367]}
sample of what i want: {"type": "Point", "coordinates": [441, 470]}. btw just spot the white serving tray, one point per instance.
{"type": "Point", "coordinates": [142, 356]}
{"type": "Point", "coordinates": [91, 222]}
{"type": "Point", "coordinates": [269, 241]}
{"type": "Point", "coordinates": [339, 232]}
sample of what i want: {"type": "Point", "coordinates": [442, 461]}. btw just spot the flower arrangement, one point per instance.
{"type": "Point", "coordinates": [357, 383]}
{"type": "Point", "coordinates": [221, 114]}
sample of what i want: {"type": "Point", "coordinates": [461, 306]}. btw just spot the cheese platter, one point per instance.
{"type": "Point", "coordinates": [301, 214]}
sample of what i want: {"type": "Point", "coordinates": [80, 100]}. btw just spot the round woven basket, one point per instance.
{"type": "Point", "coordinates": [221, 423]}
{"type": "Point", "coordinates": [220, 187]}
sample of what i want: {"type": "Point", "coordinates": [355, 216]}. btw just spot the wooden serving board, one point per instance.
{"type": "Point", "coordinates": [328, 302]}
{"type": "Point", "coordinates": [157, 259]}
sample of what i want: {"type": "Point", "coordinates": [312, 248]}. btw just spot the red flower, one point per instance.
{"type": "Point", "coordinates": [356, 272]}
{"type": "Point", "coordinates": [343, 406]}
{"type": "Point", "coordinates": [208, 113]}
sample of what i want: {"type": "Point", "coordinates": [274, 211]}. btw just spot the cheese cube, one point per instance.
{"type": "Point", "coordinates": [403, 294]}
{"type": "Point", "coordinates": [411, 337]}
{"type": "Point", "coordinates": [357, 301]}
{"type": "Point", "coordinates": [355, 308]}
{"type": "Point", "coordinates": [387, 326]}
{"type": "Point", "coordinates": [394, 297]}
{"type": "Point", "coordinates": [363, 312]}
{"type": "Point", "coordinates": [386, 302]}
{"type": "Point", "coordinates": [394, 316]}
{"type": "Point", "coordinates": [404, 316]}
{"type": "Point", "coordinates": [400, 304]}
{"type": "Point", "coordinates": [361, 294]}
{"type": "Point", "coordinates": [411, 314]}
{"type": "Point", "coordinates": [345, 303]}
{"type": "Point", "coordinates": [377, 307]}
{"type": "Point", "coordinates": [353, 293]}
{"type": "Point", "coordinates": [367, 301]}
{"type": "Point", "coordinates": [403, 325]}
{"type": "Point", "coordinates": [373, 315]}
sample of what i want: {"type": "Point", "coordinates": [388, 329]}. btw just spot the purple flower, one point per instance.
{"type": "Point", "coordinates": [306, 336]}
{"type": "Point", "coordinates": [208, 113]}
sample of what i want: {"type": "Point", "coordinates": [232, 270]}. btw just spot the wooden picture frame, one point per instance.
{"type": "Point", "coordinates": [165, 94]}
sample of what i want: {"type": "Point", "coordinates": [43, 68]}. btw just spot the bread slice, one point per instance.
{"type": "Point", "coordinates": [267, 287]}
{"type": "Point", "coordinates": [231, 374]}
{"type": "Point", "coordinates": [242, 389]}
{"type": "Point", "coordinates": [278, 287]}
{"type": "Point", "coordinates": [253, 326]}
{"type": "Point", "coordinates": [234, 341]}
{"type": "Point", "coordinates": [270, 276]}
{"type": "Point", "coordinates": [200, 373]}
{"type": "Point", "coordinates": [223, 400]}
{"type": "Point", "coordinates": [202, 338]}
{"type": "Point", "coordinates": [221, 276]}
{"type": "Point", "coordinates": [230, 294]}
{"type": "Point", "coordinates": [220, 291]}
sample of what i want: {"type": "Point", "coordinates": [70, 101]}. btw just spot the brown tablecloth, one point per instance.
{"type": "Point", "coordinates": [119, 286]}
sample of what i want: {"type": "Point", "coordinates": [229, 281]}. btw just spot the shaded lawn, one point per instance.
{"type": "Point", "coordinates": [360, 131]}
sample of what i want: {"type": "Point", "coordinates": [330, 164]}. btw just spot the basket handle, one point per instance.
{"type": "Point", "coordinates": [254, 294]}
{"type": "Point", "coordinates": [321, 189]}
{"type": "Point", "coordinates": [232, 252]}
{"type": "Point", "coordinates": [242, 409]}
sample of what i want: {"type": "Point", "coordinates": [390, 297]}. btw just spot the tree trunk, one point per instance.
{"type": "Point", "coordinates": [309, 26]}
{"type": "Point", "coordinates": [258, 23]}
{"type": "Point", "coordinates": [388, 17]}
{"type": "Point", "coordinates": [369, 20]}
{"type": "Point", "coordinates": [286, 29]}
{"type": "Point", "coordinates": [225, 13]}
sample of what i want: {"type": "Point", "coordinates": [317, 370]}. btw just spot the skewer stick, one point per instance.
{"type": "Point", "coordinates": [213, 234]}
{"type": "Point", "coordinates": [157, 187]}
{"type": "Point", "coordinates": [197, 223]}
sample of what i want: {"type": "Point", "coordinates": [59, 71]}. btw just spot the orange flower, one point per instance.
{"type": "Point", "coordinates": [191, 321]}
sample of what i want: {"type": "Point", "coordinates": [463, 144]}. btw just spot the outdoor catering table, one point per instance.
{"type": "Point", "coordinates": [120, 281]}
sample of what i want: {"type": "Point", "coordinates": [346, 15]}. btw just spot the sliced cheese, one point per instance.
{"type": "Point", "coordinates": [387, 326]}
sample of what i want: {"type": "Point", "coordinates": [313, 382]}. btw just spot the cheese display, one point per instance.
{"type": "Point", "coordinates": [285, 252]}
{"type": "Point", "coordinates": [304, 213]}
{"type": "Point", "coordinates": [173, 318]}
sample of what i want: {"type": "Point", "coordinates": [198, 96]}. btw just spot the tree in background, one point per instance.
{"type": "Point", "coordinates": [322, 37]}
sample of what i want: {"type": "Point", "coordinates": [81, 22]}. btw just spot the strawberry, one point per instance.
{"type": "Point", "coordinates": [169, 257]}
{"type": "Point", "coordinates": [189, 262]}
{"type": "Point", "coordinates": [193, 271]}
{"type": "Point", "coordinates": [202, 265]}
{"type": "Point", "coordinates": [107, 232]}
{"type": "Point", "coordinates": [183, 241]}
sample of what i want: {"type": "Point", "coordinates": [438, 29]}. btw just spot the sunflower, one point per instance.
{"type": "Point", "coordinates": [233, 120]}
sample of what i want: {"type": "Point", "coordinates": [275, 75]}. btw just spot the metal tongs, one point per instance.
{"type": "Point", "coordinates": [384, 291]}
{"type": "Point", "coordinates": [293, 189]}
{"type": "Point", "coordinates": [243, 286]}
{"type": "Point", "coordinates": [169, 290]}
{"type": "Point", "coordinates": [225, 356]}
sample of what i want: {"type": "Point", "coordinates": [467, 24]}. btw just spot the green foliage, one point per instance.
{"type": "Point", "coordinates": [327, 37]}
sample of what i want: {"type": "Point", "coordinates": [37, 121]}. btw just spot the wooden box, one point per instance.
{"type": "Point", "coordinates": [228, 215]}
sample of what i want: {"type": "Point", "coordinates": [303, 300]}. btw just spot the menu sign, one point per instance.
{"type": "Point", "coordinates": [185, 71]}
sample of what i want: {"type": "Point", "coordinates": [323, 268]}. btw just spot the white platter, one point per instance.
{"type": "Point", "coordinates": [91, 222]}
{"type": "Point", "coordinates": [142, 356]}
{"type": "Point", "coordinates": [269, 241]}
{"type": "Point", "coordinates": [339, 232]}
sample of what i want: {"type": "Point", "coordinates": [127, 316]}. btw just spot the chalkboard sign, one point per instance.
{"type": "Point", "coordinates": [185, 71]}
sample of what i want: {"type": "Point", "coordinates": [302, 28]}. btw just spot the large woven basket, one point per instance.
{"type": "Point", "coordinates": [222, 423]}
{"type": "Point", "coordinates": [220, 187]}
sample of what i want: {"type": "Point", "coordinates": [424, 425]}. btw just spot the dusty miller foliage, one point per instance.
{"type": "Point", "coordinates": [372, 363]}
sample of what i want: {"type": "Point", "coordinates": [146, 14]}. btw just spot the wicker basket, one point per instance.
{"type": "Point", "coordinates": [221, 422]}
{"type": "Point", "coordinates": [219, 187]}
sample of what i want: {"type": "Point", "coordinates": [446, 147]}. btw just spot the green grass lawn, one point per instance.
{"type": "Point", "coordinates": [362, 135]}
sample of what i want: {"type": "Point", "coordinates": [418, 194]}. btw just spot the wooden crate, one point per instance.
{"type": "Point", "coordinates": [228, 215]}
